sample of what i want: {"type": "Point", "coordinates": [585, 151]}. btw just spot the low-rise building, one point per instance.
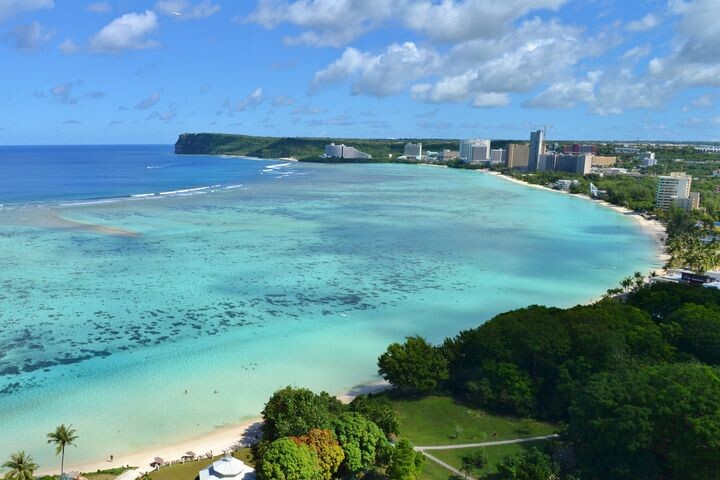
{"type": "Point", "coordinates": [647, 159]}
{"type": "Point", "coordinates": [634, 150]}
{"type": "Point", "coordinates": [447, 155]}
{"type": "Point", "coordinates": [716, 173]}
{"type": "Point", "coordinates": [580, 148]}
{"type": "Point", "coordinates": [692, 202]}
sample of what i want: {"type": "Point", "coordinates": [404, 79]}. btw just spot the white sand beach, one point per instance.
{"type": "Point", "coordinates": [215, 443]}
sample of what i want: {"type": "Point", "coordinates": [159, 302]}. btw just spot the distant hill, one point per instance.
{"type": "Point", "coordinates": [304, 149]}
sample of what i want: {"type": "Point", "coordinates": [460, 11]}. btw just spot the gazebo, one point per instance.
{"type": "Point", "coordinates": [227, 468]}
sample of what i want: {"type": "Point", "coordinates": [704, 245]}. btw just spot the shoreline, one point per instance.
{"type": "Point", "coordinates": [216, 442]}
{"type": "Point", "coordinates": [653, 228]}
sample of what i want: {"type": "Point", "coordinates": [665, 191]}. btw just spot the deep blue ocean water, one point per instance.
{"type": "Point", "coordinates": [254, 275]}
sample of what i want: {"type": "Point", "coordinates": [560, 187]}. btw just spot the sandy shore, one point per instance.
{"type": "Point", "coordinates": [215, 442]}
{"type": "Point", "coordinates": [655, 229]}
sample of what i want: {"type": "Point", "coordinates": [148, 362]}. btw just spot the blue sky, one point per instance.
{"type": "Point", "coordinates": [131, 71]}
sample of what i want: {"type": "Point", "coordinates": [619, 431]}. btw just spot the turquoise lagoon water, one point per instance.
{"type": "Point", "coordinates": [301, 274]}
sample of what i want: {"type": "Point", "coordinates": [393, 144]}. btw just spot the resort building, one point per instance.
{"type": "Point", "coordinates": [227, 468]}
{"type": "Point", "coordinates": [342, 151]}
{"type": "Point", "coordinates": [692, 202]}
{"type": "Point", "coordinates": [708, 148]}
{"type": "Point", "coordinates": [413, 150]}
{"type": "Point", "coordinates": [517, 155]}
{"type": "Point", "coordinates": [536, 149]}
{"type": "Point", "coordinates": [716, 173]}
{"type": "Point", "coordinates": [475, 150]}
{"type": "Point", "coordinates": [599, 161]}
{"type": "Point", "coordinates": [647, 159]}
{"type": "Point", "coordinates": [447, 155]}
{"type": "Point", "coordinates": [627, 150]}
{"type": "Point", "coordinates": [497, 156]}
{"type": "Point", "coordinates": [672, 187]}
{"type": "Point", "coordinates": [577, 148]}
{"type": "Point", "coordinates": [562, 162]}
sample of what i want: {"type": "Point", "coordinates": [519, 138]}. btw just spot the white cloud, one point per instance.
{"type": "Point", "coordinates": [385, 74]}
{"type": "Point", "coordinates": [69, 47]}
{"type": "Point", "coordinates": [63, 94]}
{"type": "Point", "coordinates": [251, 101]}
{"type": "Point", "coordinates": [28, 37]}
{"type": "Point", "coordinates": [127, 32]}
{"type": "Point", "coordinates": [565, 94]}
{"type": "Point", "coordinates": [704, 101]}
{"type": "Point", "coordinates": [338, 22]}
{"type": "Point", "coordinates": [491, 100]}
{"type": "Point", "coordinates": [184, 10]}
{"type": "Point", "coordinates": [452, 20]}
{"type": "Point", "coordinates": [148, 102]}
{"type": "Point", "coordinates": [9, 8]}
{"type": "Point", "coordinates": [636, 53]}
{"type": "Point", "coordinates": [648, 22]}
{"type": "Point", "coordinates": [99, 7]}
{"type": "Point", "coordinates": [327, 22]}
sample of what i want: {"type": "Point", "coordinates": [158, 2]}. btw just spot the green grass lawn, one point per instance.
{"type": "Point", "coordinates": [443, 421]}
{"type": "Point", "coordinates": [433, 471]}
{"type": "Point", "coordinates": [190, 470]}
{"type": "Point", "coordinates": [494, 456]}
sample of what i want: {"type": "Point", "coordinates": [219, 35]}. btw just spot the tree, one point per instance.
{"type": "Point", "coordinates": [405, 463]}
{"type": "Point", "coordinates": [284, 459]}
{"type": "Point", "coordinates": [294, 412]}
{"type": "Point", "coordinates": [414, 366]}
{"type": "Point", "coordinates": [360, 439]}
{"type": "Point", "coordinates": [62, 437]}
{"type": "Point", "coordinates": [639, 422]}
{"type": "Point", "coordinates": [377, 410]}
{"type": "Point", "coordinates": [329, 453]}
{"type": "Point", "coordinates": [699, 331]}
{"type": "Point", "coordinates": [473, 462]}
{"type": "Point", "coordinates": [20, 466]}
{"type": "Point", "coordinates": [530, 465]}
{"type": "Point", "coordinates": [503, 386]}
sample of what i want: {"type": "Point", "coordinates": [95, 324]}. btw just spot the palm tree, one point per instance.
{"type": "Point", "coordinates": [62, 437]}
{"type": "Point", "coordinates": [626, 283]}
{"type": "Point", "coordinates": [21, 467]}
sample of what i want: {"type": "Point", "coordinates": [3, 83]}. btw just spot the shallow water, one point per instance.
{"type": "Point", "coordinates": [301, 276]}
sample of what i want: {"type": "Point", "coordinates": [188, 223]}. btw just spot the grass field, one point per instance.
{"type": "Point", "coordinates": [190, 470]}
{"type": "Point", "coordinates": [494, 456]}
{"type": "Point", "coordinates": [443, 421]}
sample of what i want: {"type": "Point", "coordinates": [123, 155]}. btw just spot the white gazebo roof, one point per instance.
{"type": "Point", "coordinates": [228, 468]}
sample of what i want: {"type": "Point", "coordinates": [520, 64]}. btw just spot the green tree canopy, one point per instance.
{"type": "Point", "coordinates": [360, 439]}
{"type": "Point", "coordinates": [698, 332]}
{"type": "Point", "coordinates": [640, 422]}
{"type": "Point", "coordinates": [530, 465]}
{"type": "Point", "coordinates": [20, 467]}
{"type": "Point", "coordinates": [284, 459]}
{"type": "Point", "coordinates": [414, 366]}
{"type": "Point", "coordinates": [405, 463]}
{"type": "Point", "coordinates": [296, 411]}
{"type": "Point", "coordinates": [329, 453]}
{"type": "Point", "coordinates": [379, 411]}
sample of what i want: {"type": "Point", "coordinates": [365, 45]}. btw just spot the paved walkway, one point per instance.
{"type": "Point", "coordinates": [424, 450]}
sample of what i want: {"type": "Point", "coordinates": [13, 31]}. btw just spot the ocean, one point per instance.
{"type": "Point", "coordinates": [130, 275]}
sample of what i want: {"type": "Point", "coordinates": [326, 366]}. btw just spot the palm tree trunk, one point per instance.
{"type": "Point", "coordinates": [62, 461]}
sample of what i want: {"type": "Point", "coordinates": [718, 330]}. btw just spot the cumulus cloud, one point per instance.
{"type": "Point", "coordinates": [69, 47]}
{"type": "Point", "coordinates": [565, 94]}
{"type": "Point", "coordinates": [148, 102]}
{"type": "Point", "coordinates": [251, 101]}
{"type": "Point", "coordinates": [491, 100]}
{"type": "Point", "coordinates": [326, 22]}
{"type": "Point", "coordinates": [648, 22]}
{"type": "Point", "coordinates": [9, 8]}
{"type": "Point", "coordinates": [380, 75]}
{"type": "Point", "coordinates": [636, 53]}
{"type": "Point", "coordinates": [28, 37]}
{"type": "Point", "coordinates": [705, 101]}
{"type": "Point", "coordinates": [128, 32]}
{"type": "Point", "coordinates": [184, 10]}
{"type": "Point", "coordinates": [99, 7]}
